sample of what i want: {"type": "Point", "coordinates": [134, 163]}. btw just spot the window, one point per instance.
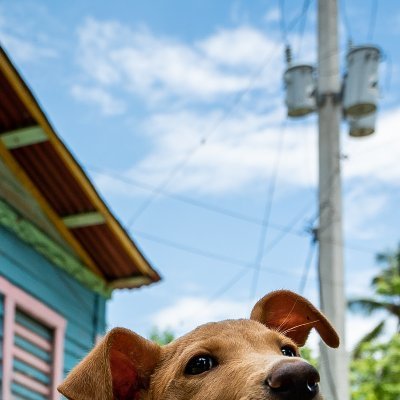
{"type": "Point", "coordinates": [33, 346]}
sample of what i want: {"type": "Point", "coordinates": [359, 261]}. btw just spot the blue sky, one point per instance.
{"type": "Point", "coordinates": [188, 96]}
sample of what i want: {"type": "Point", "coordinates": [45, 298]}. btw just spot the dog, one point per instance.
{"type": "Point", "coordinates": [245, 359]}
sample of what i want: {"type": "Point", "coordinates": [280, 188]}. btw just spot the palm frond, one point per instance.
{"type": "Point", "coordinates": [369, 337]}
{"type": "Point", "coordinates": [365, 306]}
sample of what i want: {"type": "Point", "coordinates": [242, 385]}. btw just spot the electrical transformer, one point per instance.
{"type": "Point", "coordinates": [361, 82]}
{"type": "Point", "coordinates": [362, 126]}
{"type": "Point", "coordinates": [300, 86]}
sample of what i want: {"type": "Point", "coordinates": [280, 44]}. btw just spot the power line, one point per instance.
{"type": "Point", "coordinates": [283, 21]}
{"type": "Point", "coordinates": [190, 249]}
{"type": "Point", "coordinates": [247, 267]}
{"type": "Point", "coordinates": [297, 218]}
{"type": "Point", "coordinates": [235, 279]}
{"type": "Point", "coordinates": [346, 22]}
{"type": "Point", "coordinates": [307, 265]}
{"type": "Point", "coordinates": [194, 202]}
{"type": "Point", "coordinates": [207, 254]}
{"type": "Point", "coordinates": [372, 20]}
{"type": "Point", "coordinates": [267, 210]}
{"type": "Point", "coordinates": [326, 196]}
{"type": "Point", "coordinates": [220, 257]}
{"type": "Point", "coordinates": [283, 229]}
{"type": "Point", "coordinates": [306, 6]}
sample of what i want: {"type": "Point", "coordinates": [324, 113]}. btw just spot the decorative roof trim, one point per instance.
{"type": "Point", "coordinates": [51, 214]}
{"type": "Point", "coordinates": [59, 257]}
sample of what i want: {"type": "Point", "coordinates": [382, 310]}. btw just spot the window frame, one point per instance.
{"type": "Point", "coordinates": [15, 297]}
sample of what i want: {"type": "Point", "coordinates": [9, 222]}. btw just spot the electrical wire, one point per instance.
{"type": "Point", "coordinates": [207, 254]}
{"type": "Point", "coordinates": [303, 23]}
{"type": "Point", "coordinates": [194, 202]}
{"type": "Point", "coordinates": [345, 20]}
{"type": "Point", "coordinates": [267, 211]}
{"type": "Point", "coordinates": [372, 20]}
{"type": "Point", "coordinates": [325, 198]}
{"type": "Point", "coordinates": [223, 258]}
{"type": "Point", "coordinates": [189, 249]}
{"type": "Point", "coordinates": [235, 279]}
{"type": "Point", "coordinates": [294, 221]}
{"type": "Point", "coordinates": [283, 229]}
{"type": "Point", "coordinates": [307, 265]}
{"type": "Point", "coordinates": [283, 21]}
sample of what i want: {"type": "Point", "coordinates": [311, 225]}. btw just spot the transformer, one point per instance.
{"type": "Point", "coordinates": [300, 87]}
{"type": "Point", "coordinates": [361, 81]}
{"type": "Point", "coordinates": [362, 126]}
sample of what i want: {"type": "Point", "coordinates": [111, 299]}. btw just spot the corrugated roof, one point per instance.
{"type": "Point", "coordinates": [37, 157]}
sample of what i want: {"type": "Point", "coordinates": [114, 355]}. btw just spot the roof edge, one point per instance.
{"type": "Point", "coordinates": [132, 282]}
{"type": "Point", "coordinates": [30, 102]}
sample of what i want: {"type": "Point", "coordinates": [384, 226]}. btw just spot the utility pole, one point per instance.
{"type": "Point", "coordinates": [304, 95]}
{"type": "Point", "coordinates": [334, 363]}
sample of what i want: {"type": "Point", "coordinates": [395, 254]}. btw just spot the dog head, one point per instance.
{"type": "Point", "coordinates": [249, 359]}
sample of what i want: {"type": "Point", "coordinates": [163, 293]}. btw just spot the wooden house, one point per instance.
{"type": "Point", "coordinates": [62, 252]}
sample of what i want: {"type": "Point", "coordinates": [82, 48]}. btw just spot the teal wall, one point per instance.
{"type": "Point", "coordinates": [83, 309]}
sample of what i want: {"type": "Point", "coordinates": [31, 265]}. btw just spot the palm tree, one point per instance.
{"type": "Point", "coordinates": [386, 286]}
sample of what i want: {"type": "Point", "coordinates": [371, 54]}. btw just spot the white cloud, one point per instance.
{"type": "Point", "coordinates": [362, 205]}
{"type": "Point", "coordinates": [244, 46]}
{"type": "Point", "coordinates": [96, 95]}
{"type": "Point", "coordinates": [26, 42]}
{"type": "Point", "coordinates": [159, 68]}
{"type": "Point", "coordinates": [189, 312]}
{"type": "Point", "coordinates": [241, 151]}
{"type": "Point", "coordinates": [24, 50]}
{"type": "Point", "coordinates": [376, 157]}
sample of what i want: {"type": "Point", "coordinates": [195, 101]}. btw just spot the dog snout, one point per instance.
{"type": "Point", "coordinates": [294, 380]}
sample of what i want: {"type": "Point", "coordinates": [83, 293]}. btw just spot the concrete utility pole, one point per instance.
{"type": "Point", "coordinates": [334, 363]}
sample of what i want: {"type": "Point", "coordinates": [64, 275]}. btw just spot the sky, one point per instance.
{"type": "Point", "coordinates": [175, 109]}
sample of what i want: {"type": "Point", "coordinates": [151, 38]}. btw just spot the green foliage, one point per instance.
{"type": "Point", "coordinates": [307, 354]}
{"type": "Point", "coordinates": [161, 338]}
{"type": "Point", "coordinates": [386, 286]}
{"type": "Point", "coordinates": [375, 374]}
{"type": "Point", "coordinates": [375, 368]}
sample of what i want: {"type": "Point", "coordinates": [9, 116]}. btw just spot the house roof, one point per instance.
{"type": "Point", "coordinates": [42, 164]}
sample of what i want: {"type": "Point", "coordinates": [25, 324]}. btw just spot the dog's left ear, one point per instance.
{"type": "Point", "coordinates": [294, 316]}
{"type": "Point", "coordinates": [118, 368]}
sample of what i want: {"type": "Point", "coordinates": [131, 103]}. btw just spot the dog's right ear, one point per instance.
{"type": "Point", "coordinates": [118, 368]}
{"type": "Point", "coordinates": [294, 316]}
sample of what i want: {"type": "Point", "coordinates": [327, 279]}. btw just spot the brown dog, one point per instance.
{"type": "Point", "coordinates": [255, 359]}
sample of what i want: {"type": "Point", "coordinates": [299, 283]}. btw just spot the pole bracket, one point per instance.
{"type": "Point", "coordinates": [322, 98]}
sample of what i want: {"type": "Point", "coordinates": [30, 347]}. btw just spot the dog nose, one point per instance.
{"type": "Point", "coordinates": [294, 380]}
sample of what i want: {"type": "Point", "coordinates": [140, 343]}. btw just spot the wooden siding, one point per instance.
{"type": "Point", "coordinates": [83, 310]}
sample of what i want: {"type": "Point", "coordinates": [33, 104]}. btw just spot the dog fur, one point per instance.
{"type": "Point", "coordinates": [247, 354]}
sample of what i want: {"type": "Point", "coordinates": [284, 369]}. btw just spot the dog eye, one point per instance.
{"type": "Point", "coordinates": [288, 351]}
{"type": "Point", "coordinates": [199, 364]}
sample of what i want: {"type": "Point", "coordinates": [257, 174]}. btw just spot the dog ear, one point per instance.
{"type": "Point", "coordinates": [294, 316]}
{"type": "Point", "coordinates": [118, 368]}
